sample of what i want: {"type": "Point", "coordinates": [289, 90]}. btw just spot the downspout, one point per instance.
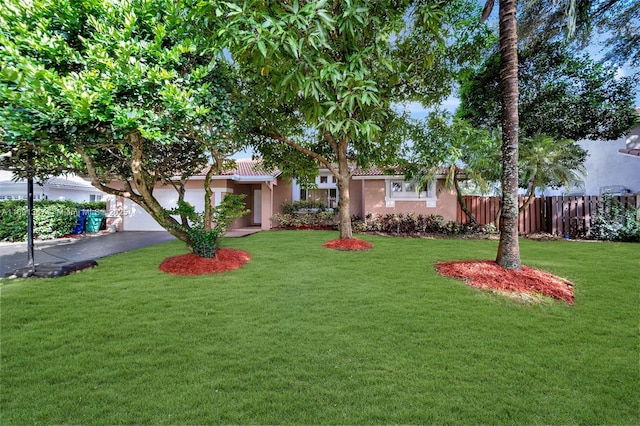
{"type": "Point", "coordinates": [363, 203]}
{"type": "Point", "coordinates": [270, 185]}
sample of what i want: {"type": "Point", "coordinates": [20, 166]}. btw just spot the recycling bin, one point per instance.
{"type": "Point", "coordinates": [94, 220]}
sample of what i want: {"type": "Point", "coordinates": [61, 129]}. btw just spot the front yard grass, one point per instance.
{"type": "Point", "coordinates": [307, 335]}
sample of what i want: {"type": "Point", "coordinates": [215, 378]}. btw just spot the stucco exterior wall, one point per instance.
{"type": "Point", "coordinates": [247, 191]}
{"type": "Point", "coordinates": [606, 167]}
{"type": "Point", "coordinates": [355, 197]}
{"type": "Point", "coordinates": [282, 194]}
{"type": "Point", "coordinates": [374, 202]}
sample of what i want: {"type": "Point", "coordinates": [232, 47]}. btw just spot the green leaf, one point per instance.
{"type": "Point", "coordinates": [262, 48]}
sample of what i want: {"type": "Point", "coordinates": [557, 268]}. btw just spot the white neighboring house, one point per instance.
{"type": "Point", "coordinates": [612, 166]}
{"type": "Point", "coordinates": [69, 187]}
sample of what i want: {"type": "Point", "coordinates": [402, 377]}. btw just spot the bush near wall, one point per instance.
{"type": "Point", "coordinates": [305, 206]}
{"type": "Point", "coordinates": [405, 224]}
{"type": "Point", "coordinates": [317, 220]}
{"type": "Point", "coordinates": [614, 222]}
{"type": "Point", "coordinates": [51, 219]}
{"type": "Point", "coordinates": [410, 224]}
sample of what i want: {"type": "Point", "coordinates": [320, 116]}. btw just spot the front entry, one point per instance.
{"type": "Point", "coordinates": [257, 207]}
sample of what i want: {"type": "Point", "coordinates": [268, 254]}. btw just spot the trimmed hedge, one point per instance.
{"type": "Point", "coordinates": [410, 224]}
{"type": "Point", "coordinates": [405, 224]}
{"type": "Point", "coordinates": [51, 219]}
{"type": "Point", "coordinates": [306, 206]}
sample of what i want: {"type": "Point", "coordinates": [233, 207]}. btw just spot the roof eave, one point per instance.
{"type": "Point", "coordinates": [388, 177]}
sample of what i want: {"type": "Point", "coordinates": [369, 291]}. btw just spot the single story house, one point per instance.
{"type": "Point", "coordinates": [69, 187]}
{"type": "Point", "coordinates": [371, 191]}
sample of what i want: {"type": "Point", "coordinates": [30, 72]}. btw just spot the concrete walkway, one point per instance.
{"type": "Point", "coordinates": [13, 256]}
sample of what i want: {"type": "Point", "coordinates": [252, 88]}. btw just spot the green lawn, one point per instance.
{"type": "Point", "coordinates": [306, 335]}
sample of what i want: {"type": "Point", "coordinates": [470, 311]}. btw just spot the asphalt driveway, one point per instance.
{"type": "Point", "coordinates": [87, 247]}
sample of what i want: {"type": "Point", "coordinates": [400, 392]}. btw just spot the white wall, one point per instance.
{"type": "Point", "coordinates": [71, 188]}
{"type": "Point", "coordinates": [608, 167]}
{"type": "Point", "coordinates": [137, 219]}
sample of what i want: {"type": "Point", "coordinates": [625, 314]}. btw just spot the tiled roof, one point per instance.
{"type": "Point", "coordinates": [59, 182]}
{"type": "Point", "coordinates": [245, 167]}
{"type": "Point", "coordinates": [376, 171]}
{"type": "Point", "coordinates": [634, 152]}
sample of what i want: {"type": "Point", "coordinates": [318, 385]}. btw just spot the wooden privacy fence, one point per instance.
{"type": "Point", "coordinates": [561, 215]}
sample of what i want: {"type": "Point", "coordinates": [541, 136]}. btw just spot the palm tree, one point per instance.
{"type": "Point", "coordinates": [508, 248]}
{"type": "Point", "coordinates": [545, 161]}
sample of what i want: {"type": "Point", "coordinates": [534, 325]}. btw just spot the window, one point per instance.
{"type": "Point", "coordinates": [17, 197]}
{"type": "Point", "coordinates": [323, 179]}
{"type": "Point", "coordinates": [333, 197]}
{"type": "Point", "coordinates": [95, 197]}
{"type": "Point", "coordinates": [401, 190]}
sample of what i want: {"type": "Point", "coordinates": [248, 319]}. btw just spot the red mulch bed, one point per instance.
{"type": "Point", "coordinates": [191, 264]}
{"type": "Point", "coordinates": [348, 244]}
{"type": "Point", "coordinates": [489, 275]}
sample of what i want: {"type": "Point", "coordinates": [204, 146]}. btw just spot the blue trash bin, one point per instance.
{"type": "Point", "coordinates": [82, 218]}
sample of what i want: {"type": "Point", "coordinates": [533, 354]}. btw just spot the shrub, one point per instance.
{"type": "Point", "coordinates": [612, 222]}
{"type": "Point", "coordinates": [303, 205]}
{"type": "Point", "coordinates": [93, 205]}
{"type": "Point", "coordinates": [411, 224]}
{"type": "Point", "coordinates": [51, 219]}
{"type": "Point", "coordinates": [358, 224]}
{"type": "Point", "coordinates": [405, 224]}
{"type": "Point", "coordinates": [205, 242]}
{"type": "Point", "coordinates": [316, 220]}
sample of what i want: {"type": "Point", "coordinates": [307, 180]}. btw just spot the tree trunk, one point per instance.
{"type": "Point", "coordinates": [215, 169]}
{"type": "Point", "coordinates": [508, 249]}
{"type": "Point", "coordinates": [461, 202]}
{"type": "Point", "coordinates": [144, 196]}
{"type": "Point", "coordinates": [530, 195]}
{"type": "Point", "coordinates": [344, 204]}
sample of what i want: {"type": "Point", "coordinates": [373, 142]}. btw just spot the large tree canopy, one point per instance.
{"type": "Point", "coordinates": [114, 91]}
{"type": "Point", "coordinates": [617, 21]}
{"type": "Point", "coordinates": [562, 94]}
{"type": "Point", "coordinates": [325, 76]}
{"type": "Point", "coordinates": [468, 154]}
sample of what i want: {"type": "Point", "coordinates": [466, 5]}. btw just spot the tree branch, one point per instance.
{"type": "Point", "coordinates": [300, 148]}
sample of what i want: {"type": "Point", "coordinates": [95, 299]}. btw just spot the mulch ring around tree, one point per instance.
{"type": "Point", "coordinates": [348, 244]}
{"type": "Point", "coordinates": [528, 282]}
{"type": "Point", "coordinates": [225, 259]}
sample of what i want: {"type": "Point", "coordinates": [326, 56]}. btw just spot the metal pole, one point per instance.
{"type": "Point", "coordinates": [30, 222]}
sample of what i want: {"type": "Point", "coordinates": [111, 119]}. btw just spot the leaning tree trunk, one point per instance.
{"type": "Point", "coordinates": [344, 204]}
{"type": "Point", "coordinates": [461, 203]}
{"type": "Point", "coordinates": [508, 249]}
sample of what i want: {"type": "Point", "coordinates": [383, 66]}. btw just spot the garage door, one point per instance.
{"type": "Point", "coordinates": [137, 219]}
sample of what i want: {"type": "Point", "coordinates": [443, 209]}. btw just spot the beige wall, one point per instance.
{"type": "Point", "coordinates": [355, 197]}
{"type": "Point", "coordinates": [374, 202]}
{"type": "Point", "coordinates": [281, 195]}
{"type": "Point", "coordinates": [247, 191]}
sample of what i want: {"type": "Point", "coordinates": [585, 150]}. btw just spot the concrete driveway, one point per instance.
{"type": "Point", "coordinates": [87, 247]}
